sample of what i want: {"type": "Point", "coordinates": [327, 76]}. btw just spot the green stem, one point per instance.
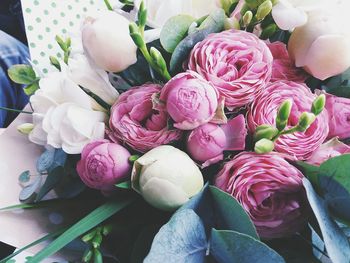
{"type": "Point", "coordinates": [285, 132]}
{"type": "Point", "coordinates": [109, 7]}
{"type": "Point", "coordinates": [14, 110]}
{"type": "Point", "coordinates": [166, 75]}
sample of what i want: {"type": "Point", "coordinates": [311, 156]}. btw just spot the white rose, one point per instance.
{"type": "Point", "coordinates": [92, 78]}
{"type": "Point", "coordinates": [166, 177]}
{"type": "Point", "coordinates": [159, 11]}
{"type": "Point", "coordinates": [71, 127]}
{"type": "Point", "coordinates": [107, 41]}
{"type": "Point", "coordinates": [322, 45]}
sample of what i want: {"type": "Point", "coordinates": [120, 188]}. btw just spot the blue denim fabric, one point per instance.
{"type": "Point", "coordinates": [11, 95]}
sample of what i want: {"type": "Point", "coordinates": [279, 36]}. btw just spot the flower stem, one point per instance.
{"type": "Point", "coordinates": [14, 110]}
{"type": "Point", "coordinates": [109, 7]}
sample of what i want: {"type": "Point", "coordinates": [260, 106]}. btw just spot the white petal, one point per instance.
{"type": "Point", "coordinates": [288, 17]}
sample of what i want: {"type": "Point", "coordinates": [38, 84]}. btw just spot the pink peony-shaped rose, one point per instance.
{"type": "Point", "coordinates": [135, 121]}
{"type": "Point", "coordinates": [190, 100]}
{"type": "Point", "coordinates": [236, 62]}
{"type": "Point", "coordinates": [269, 189]}
{"type": "Point", "coordinates": [339, 116]}
{"type": "Point", "coordinates": [264, 111]}
{"type": "Point", "coordinates": [207, 143]}
{"type": "Point", "coordinates": [283, 67]}
{"type": "Point", "coordinates": [103, 164]}
{"type": "Point", "coordinates": [330, 149]}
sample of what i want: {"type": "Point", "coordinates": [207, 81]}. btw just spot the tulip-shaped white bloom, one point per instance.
{"type": "Point", "coordinates": [159, 11]}
{"type": "Point", "coordinates": [107, 41]}
{"type": "Point", "coordinates": [322, 45]}
{"type": "Point", "coordinates": [92, 78]}
{"type": "Point", "coordinates": [166, 177]}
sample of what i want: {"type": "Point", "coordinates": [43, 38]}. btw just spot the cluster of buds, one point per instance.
{"type": "Point", "coordinates": [266, 135]}
{"type": "Point", "coordinates": [153, 56]}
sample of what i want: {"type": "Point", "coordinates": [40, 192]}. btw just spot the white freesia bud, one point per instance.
{"type": "Point", "coordinates": [159, 11]}
{"type": "Point", "coordinates": [92, 78]}
{"type": "Point", "coordinates": [25, 128]}
{"type": "Point", "coordinates": [166, 177]}
{"type": "Point", "coordinates": [107, 41]}
{"type": "Point", "coordinates": [322, 45]}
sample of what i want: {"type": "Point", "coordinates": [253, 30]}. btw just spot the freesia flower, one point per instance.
{"type": "Point", "coordinates": [136, 121]}
{"type": "Point", "coordinates": [190, 100]}
{"type": "Point", "coordinates": [166, 177]}
{"type": "Point", "coordinates": [237, 63]}
{"type": "Point", "coordinates": [269, 189]}
{"type": "Point", "coordinates": [103, 164]}
{"type": "Point", "coordinates": [283, 67]}
{"type": "Point", "coordinates": [207, 143]}
{"type": "Point", "coordinates": [263, 110]}
{"type": "Point", "coordinates": [339, 116]}
{"type": "Point", "coordinates": [159, 11]}
{"type": "Point", "coordinates": [107, 41]}
{"type": "Point", "coordinates": [330, 149]}
{"type": "Point", "coordinates": [321, 46]}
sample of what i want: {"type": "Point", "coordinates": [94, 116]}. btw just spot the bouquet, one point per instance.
{"type": "Point", "coordinates": [196, 131]}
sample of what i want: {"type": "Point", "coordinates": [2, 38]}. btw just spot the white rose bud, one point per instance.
{"type": "Point", "coordinates": [107, 41]}
{"type": "Point", "coordinates": [322, 45]}
{"type": "Point", "coordinates": [166, 177]}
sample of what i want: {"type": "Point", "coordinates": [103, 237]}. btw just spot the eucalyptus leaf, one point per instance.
{"type": "Point", "coordinates": [22, 74]}
{"type": "Point", "coordinates": [24, 177]}
{"type": "Point", "coordinates": [45, 161]}
{"type": "Point", "coordinates": [336, 242]}
{"type": "Point", "coordinates": [175, 30]}
{"type": "Point", "coordinates": [181, 240]}
{"type": "Point", "coordinates": [29, 192]}
{"type": "Point", "coordinates": [52, 180]}
{"type": "Point", "coordinates": [338, 85]}
{"type": "Point", "coordinates": [212, 24]}
{"type": "Point", "coordinates": [311, 172]}
{"type": "Point", "coordinates": [231, 246]}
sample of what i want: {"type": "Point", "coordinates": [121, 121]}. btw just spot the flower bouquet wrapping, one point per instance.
{"type": "Point", "coordinates": [193, 131]}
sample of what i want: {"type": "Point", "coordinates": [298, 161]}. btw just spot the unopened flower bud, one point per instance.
{"type": "Point", "coordinates": [142, 15]}
{"type": "Point", "coordinates": [25, 128]}
{"type": "Point", "coordinates": [158, 58]}
{"type": "Point", "coordinates": [305, 120]}
{"type": "Point", "coordinates": [264, 10]}
{"type": "Point", "coordinates": [283, 114]}
{"type": "Point", "coordinates": [268, 31]}
{"type": "Point", "coordinates": [318, 104]}
{"type": "Point", "coordinates": [265, 132]}
{"type": "Point", "coordinates": [227, 4]}
{"type": "Point", "coordinates": [231, 23]}
{"type": "Point", "coordinates": [264, 146]}
{"type": "Point", "coordinates": [247, 18]}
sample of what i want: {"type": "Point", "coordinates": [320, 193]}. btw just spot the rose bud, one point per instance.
{"type": "Point", "coordinates": [264, 109]}
{"type": "Point", "coordinates": [166, 177]}
{"type": "Point", "coordinates": [237, 63]}
{"type": "Point", "coordinates": [207, 143]}
{"type": "Point", "coordinates": [270, 189]}
{"type": "Point", "coordinates": [190, 100]}
{"type": "Point", "coordinates": [339, 116]}
{"type": "Point", "coordinates": [103, 164]}
{"type": "Point", "coordinates": [107, 41]}
{"type": "Point", "coordinates": [264, 146]}
{"type": "Point", "coordinates": [330, 149]}
{"type": "Point", "coordinates": [135, 121]}
{"type": "Point", "coordinates": [321, 46]}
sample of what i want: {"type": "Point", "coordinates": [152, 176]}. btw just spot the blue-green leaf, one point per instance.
{"type": "Point", "coordinates": [181, 240]}
{"type": "Point", "coordinates": [336, 242]}
{"type": "Point", "coordinates": [22, 74]}
{"type": "Point", "coordinates": [231, 246]}
{"type": "Point", "coordinates": [52, 180]}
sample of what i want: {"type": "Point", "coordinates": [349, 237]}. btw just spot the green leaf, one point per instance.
{"type": "Point", "coordinates": [90, 221]}
{"type": "Point", "coordinates": [175, 30]}
{"type": "Point", "coordinates": [22, 74]}
{"type": "Point", "coordinates": [212, 24]}
{"type": "Point", "coordinates": [336, 242]}
{"type": "Point", "coordinates": [310, 171]}
{"type": "Point", "coordinates": [124, 185]}
{"type": "Point", "coordinates": [52, 180]}
{"type": "Point", "coordinates": [227, 208]}
{"type": "Point", "coordinates": [44, 238]}
{"type": "Point", "coordinates": [231, 246]}
{"type": "Point", "coordinates": [31, 88]}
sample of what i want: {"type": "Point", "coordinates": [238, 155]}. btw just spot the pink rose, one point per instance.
{"type": "Point", "coordinates": [269, 189]}
{"type": "Point", "coordinates": [330, 149]}
{"type": "Point", "coordinates": [190, 100]}
{"type": "Point", "coordinates": [207, 143]}
{"type": "Point", "coordinates": [339, 116]}
{"type": "Point", "coordinates": [135, 122]}
{"type": "Point", "coordinates": [263, 110]}
{"type": "Point", "coordinates": [283, 67]}
{"type": "Point", "coordinates": [103, 164]}
{"type": "Point", "coordinates": [236, 62]}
